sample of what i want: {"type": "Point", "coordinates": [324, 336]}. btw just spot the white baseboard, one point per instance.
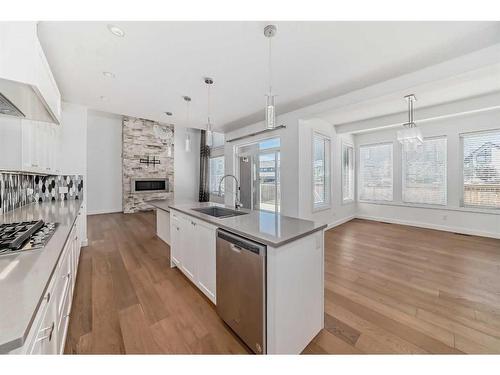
{"type": "Point", "coordinates": [105, 211]}
{"type": "Point", "coordinates": [431, 226]}
{"type": "Point", "coordinates": [340, 221]}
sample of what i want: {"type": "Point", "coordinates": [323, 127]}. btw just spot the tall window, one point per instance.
{"type": "Point", "coordinates": [481, 169]}
{"type": "Point", "coordinates": [347, 173]}
{"type": "Point", "coordinates": [216, 169]}
{"type": "Point", "coordinates": [424, 172]}
{"type": "Point", "coordinates": [321, 171]}
{"type": "Point", "coordinates": [375, 172]}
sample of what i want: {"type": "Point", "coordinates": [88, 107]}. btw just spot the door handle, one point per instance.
{"type": "Point", "coordinates": [49, 336]}
{"type": "Point", "coordinates": [235, 248]}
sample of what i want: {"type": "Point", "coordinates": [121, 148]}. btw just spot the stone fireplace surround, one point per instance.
{"type": "Point", "coordinates": [143, 138]}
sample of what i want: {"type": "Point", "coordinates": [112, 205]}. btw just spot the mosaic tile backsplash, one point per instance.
{"type": "Point", "coordinates": [17, 190]}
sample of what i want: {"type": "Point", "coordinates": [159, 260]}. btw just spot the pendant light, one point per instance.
{"type": "Point", "coordinates": [187, 143]}
{"type": "Point", "coordinates": [209, 137]}
{"type": "Point", "coordinates": [269, 32]}
{"type": "Point", "coordinates": [411, 136]}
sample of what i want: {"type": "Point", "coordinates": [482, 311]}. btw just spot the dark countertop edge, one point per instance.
{"type": "Point", "coordinates": [264, 241]}
{"type": "Point", "coordinates": [7, 347]}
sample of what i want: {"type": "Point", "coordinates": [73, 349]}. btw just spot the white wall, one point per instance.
{"type": "Point", "coordinates": [451, 217]}
{"type": "Point", "coordinates": [289, 159]}
{"type": "Point", "coordinates": [186, 165]}
{"type": "Point", "coordinates": [104, 162]}
{"type": "Point", "coordinates": [296, 166]}
{"type": "Point", "coordinates": [337, 212]}
{"type": "Point", "coordinates": [73, 156]}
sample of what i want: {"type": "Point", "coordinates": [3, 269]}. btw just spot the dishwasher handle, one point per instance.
{"type": "Point", "coordinates": [239, 243]}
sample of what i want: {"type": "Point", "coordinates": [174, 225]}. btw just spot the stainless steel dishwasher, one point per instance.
{"type": "Point", "coordinates": [241, 288]}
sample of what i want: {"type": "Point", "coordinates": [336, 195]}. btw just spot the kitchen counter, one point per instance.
{"type": "Point", "coordinates": [25, 276]}
{"type": "Point", "coordinates": [268, 228]}
{"type": "Point", "coordinates": [162, 204]}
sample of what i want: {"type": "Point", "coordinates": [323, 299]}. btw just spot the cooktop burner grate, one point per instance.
{"type": "Point", "coordinates": [27, 235]}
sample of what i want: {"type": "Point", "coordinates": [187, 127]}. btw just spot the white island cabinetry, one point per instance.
{"type": "Point", "coordinates": [294, 268]}
{"type": "Point", "coordinates": [192, 250]}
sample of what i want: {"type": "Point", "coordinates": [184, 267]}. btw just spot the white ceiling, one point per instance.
{"type": "Point", "coordinates": [158, 62]}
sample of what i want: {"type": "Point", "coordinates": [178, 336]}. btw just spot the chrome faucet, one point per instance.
{"type": "Point", "coordinates": [237, 203]}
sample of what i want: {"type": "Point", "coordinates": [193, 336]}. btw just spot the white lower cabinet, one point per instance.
{"type": "Point", "coordinates": [192, 250]}
{"type": "Point", "coordinates": [48, 332]}
{"type": "Point", "coordinates": [43, 340]}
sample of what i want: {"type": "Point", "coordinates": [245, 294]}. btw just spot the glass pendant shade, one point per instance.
{"type": "Point", "coordinates": [270, 112]}
{"type": "Point", "coordinates": [209, 136]}
{"type": "Point", "coordinates": [410, 138]}
{"type": "Point", "coordinates": [187, 145]}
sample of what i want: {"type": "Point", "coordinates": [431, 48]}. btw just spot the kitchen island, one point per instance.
{"type": "Point", "coordinates": [294, 263]}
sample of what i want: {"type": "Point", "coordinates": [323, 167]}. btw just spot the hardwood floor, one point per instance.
{"type": "Point", "coordinates": [388, 289]}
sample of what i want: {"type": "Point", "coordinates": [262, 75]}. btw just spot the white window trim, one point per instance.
{"type": "Point", "coordinates": [216, 153]}
{"type": "Point", "coordinates": [463, 206]}
{"type": "Point", "coordinates": [328, 201]}
{"type": "Point", "coordinates": [428, 205]}
{"type": "Point", "coordinates": [359, 171]}
{"type": "Point", "coordinates": [353, 199]}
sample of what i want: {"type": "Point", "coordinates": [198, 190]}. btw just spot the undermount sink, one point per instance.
{"type": "Point", "coordinates": [219, 212]}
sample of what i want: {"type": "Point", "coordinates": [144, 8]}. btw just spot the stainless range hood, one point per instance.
{"type": "Point", "coordinates": [22, 100]}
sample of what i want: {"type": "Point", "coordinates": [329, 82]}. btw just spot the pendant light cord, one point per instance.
{"type": "Point", "coordinates": [270, 68]}
{"type": "Point", "coordinates": [208, 107]}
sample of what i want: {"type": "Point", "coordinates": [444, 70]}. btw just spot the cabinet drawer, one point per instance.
{"type": "Point", "coordinates": [62, 326]}
{"type": "Point", "coordinates": [62, 282]}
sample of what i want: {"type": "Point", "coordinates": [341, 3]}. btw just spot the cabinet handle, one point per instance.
{"type": "Point", "coordinates": [49, 336]}
{"type": "Point", "coordinates": [193, 223]}
{"type": "Point", "coordinates": [47, 297]}
{"type": "Point", "coordinates": [68, 275]}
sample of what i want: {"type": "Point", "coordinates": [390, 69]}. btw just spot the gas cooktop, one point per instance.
{"type": "Point", "coordinates": [27, 235]}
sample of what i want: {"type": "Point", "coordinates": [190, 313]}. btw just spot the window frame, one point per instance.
{"type": "Point", "coordinates": [327, 204]}
{"type": "Point", "coordinates": [353, 199]}
{"type": "Point", "coordinates": [380, 201]}
{"type": "Point", "coordinates": [217, 152]}
{"type": "Point", "coordinates": [463, 205]}
{"type": "Point", "coordinates": [437, 205]}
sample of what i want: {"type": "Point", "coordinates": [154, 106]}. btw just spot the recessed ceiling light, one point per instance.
{"type": "Point", "coordinates": [115, 30]}
{"type": "Point", "coordinates": [168, 113]}
{"type": "Point", "coordinates": [103, 98]}
{"type": "Point", "coordinates": [108, 74]}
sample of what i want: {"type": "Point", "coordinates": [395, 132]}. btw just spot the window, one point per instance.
{"type": "Point", "coordinates": [216, 173]}
{"type": "Point", "coordinates": [481, 169]}
{"type": "Point", "coordinates": [375, 172]}
{"type": "Point", "coordinates": [424, 173]}
{"type": "Point", "coordinates": [321, 171]}
{"type": "Point", "coordinates": [347, 173]}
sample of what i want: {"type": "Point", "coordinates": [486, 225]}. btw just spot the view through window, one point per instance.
{"type": "Point", "coordinates": [375, 172]}
{"type": "Point", "coordinates": [321, 174]}
{"type": "Point", "coordinates": [424, 173]}
{"type": "Point", "coordinates": [347, 173]}
{"type": "Point", "coordinates": [216, 173]}
{"type": "Point", "coordinates": [481, 169]}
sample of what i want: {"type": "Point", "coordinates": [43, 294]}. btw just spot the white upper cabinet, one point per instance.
{"type": "Point", "coordinates": [23, 61]}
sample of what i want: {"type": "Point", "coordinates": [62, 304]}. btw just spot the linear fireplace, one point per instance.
{"type": "Point", "coordinates": [147, 185]}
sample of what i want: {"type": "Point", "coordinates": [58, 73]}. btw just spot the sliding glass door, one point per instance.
{"type": "Point", "coordinates": [259, 175]}
{"type": "Point", "coordinates": [267, 189]}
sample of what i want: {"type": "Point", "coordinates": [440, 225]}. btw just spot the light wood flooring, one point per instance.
{"type": "Point", "coordinates": [388, 289]}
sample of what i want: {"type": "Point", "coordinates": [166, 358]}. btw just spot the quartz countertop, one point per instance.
{"type": "Point", "coordinates": [265, 227]}
{"type": "Point", "coordinates": [162, 204]}
{"type": "Point", "coordinates": [25, 276]}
